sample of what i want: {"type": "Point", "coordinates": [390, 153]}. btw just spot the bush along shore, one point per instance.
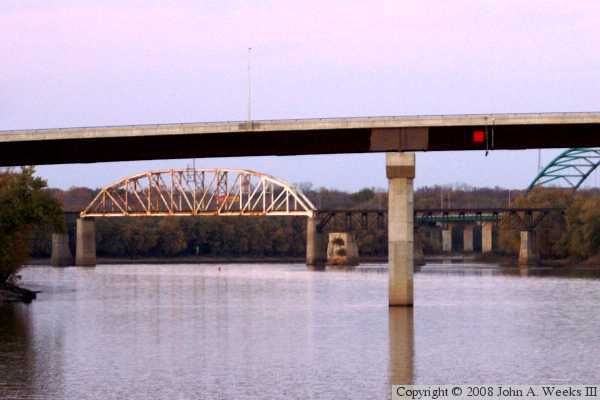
{"type": "Point", "coordinates": [25, 207]}
{"type": "Point", "coordinates": [12, 293]}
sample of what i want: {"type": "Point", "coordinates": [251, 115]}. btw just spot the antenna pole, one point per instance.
{"type": "Point", "coordinates": [249, 87]}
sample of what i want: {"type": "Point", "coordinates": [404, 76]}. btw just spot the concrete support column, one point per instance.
{"type": "Point", "coordinates": [527, 250]}
{"type": "Point", "coordinates": [61, 253]}
{"type": "Point", "coordinates": [316, 250]}
{"type": "Point", "coordinates": [400, 171]}
{"type": "Point", "coordinates": [85, 254]}
{"type": "Point", "coordinates": [468, 243]}
{"type": "Point", "coordinates": [342, 250]}
{"type": "Point", "coordinates": [419, 254]}
{"type": "Point", "coordinates": [487, 233]}
{"type": "Point", "coordinates": [447, 239]}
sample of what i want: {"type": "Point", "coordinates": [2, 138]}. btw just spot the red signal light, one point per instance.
{"type": "Point", "coordinates": [478, 137]}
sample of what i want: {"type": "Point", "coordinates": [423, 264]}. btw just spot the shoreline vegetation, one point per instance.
{"type": "Point", "coordinates": [503, 260]}
{"type": "Point", "coordinates": [25, 208]}
{"type": "Point", "coordinates": [10, 293]}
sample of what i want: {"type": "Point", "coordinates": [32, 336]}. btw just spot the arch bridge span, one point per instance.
{"type": "Point", "coordinates": [569, 169]}
{"type": "Point", "coordinates": [200, 192]}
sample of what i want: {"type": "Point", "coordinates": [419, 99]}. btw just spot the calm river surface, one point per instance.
{"type": "Point", "coordinates": [282, 332]}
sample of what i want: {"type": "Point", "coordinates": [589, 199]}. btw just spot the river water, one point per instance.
{"type": "Point", "coordinates": [282, 332]}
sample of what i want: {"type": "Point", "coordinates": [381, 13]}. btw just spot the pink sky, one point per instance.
{"type": "Point", "coordinates": [67, 63]}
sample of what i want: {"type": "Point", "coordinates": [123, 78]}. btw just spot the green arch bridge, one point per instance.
{"type": "Point", "coordinates": [570, 168]}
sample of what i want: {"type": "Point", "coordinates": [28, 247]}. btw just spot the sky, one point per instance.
{"type": "Point", "coordinates": [86, 63]}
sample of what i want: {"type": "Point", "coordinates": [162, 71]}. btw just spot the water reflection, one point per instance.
{"type": "Point", "coordinates": [16, 353]}
{"type": "Point", "coordinates": [401, 346]}
{"type": "Point", "coordinates": [280, 331]}
{"type": "Point", "coordinates": [468, 269]}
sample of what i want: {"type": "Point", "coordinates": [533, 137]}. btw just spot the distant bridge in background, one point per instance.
{"type": "Point", "coordinates": [359, 219]}
{"type": "Point", "coordinates": [570, 169]}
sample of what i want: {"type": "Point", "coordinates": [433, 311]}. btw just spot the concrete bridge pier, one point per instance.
{"type": "Point", "coordinates": [316, 247]}
{"type": "Point", "coordinates": [487, 237]}
{"type": "Point", "coordinates": [61, 253]}
{"type": "Point", "coordinates": [400, 171]}
{"type": "Point", "coordinates": [419, 255]}
{"type": "Point", "coordinates": [468, 242]}
{"type": "Point", "coordinates": [447, 239]}
{"type": "Point", "coordinates": [85, 254]}
{"type": "Point", "coordinates": [342, 250]}
{"type": "Point", "coordinates": [527, 250]}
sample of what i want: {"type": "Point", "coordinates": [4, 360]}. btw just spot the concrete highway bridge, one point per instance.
{"type": "Point", "coordinates": [398, 136]}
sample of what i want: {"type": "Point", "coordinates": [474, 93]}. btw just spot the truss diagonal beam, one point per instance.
{"type": "Point", "coordinates": [572, 167]}
{"type": "Point", "coordinates": [189, 192]}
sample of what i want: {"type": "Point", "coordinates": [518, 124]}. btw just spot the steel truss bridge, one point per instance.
{"type": "Point", "coordinates": [199, 192]}
{"type": "Point", "coordinates": [571, 168]}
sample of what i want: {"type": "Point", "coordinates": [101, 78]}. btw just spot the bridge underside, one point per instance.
{"type": "Point", "coordinates": [297, 137]}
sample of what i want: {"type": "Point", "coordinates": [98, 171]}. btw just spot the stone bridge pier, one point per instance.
{"type": "Point", "coordinates": [61, 252]}
{"type": "Point", "coordinates": [85, 253]}
{"type": "Point", "coordinates": [447, 238]}
{"type": "Point", "coordinates": [487, 237]}
{"type": "Point", "coordinates": [316, 245]}
{"type": "Point", "coordinates": [527, 249]}
{"type": "Point", "coordinates": [342, 250]}
{"type": "Point", "coordinates": [468, 230]}
{"type": "Point", "coordinates": [469, 238]}
{"type": "Point", "coordinates": [85, 245]}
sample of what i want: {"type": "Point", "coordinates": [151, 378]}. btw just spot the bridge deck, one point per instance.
{"type": "Point", "coordinates": [293, 137]}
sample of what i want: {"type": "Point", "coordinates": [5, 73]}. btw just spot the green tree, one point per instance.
{"type": "Point", "coordinates": [171, 240]}
{"type": "Point", "coordinates": [140, 236]}
{"type": "Point", "coordinates": [24, 206]}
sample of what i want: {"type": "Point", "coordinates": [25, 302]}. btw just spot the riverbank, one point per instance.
{"type": "Point", "coordinates": [10, 293]}
{"type": "Point", "coordinates": [565, 263]}
{"type": "Point", "coordinates": [591, 263]}
{"type": "Point", "coordinates": [203, 260]}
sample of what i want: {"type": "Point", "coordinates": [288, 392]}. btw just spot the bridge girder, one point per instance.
{"type": "Point", "coordinates": [199, 192]}
{"type": "Point", "coordinates": [526, 218]}
{"type": "Point", "coordinates": [571, 168]}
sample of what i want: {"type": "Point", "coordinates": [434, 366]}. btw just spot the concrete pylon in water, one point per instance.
{"type": "Point", "coordinates": [400, 171]}
{"type": "Point", "coordinates": [487, 237]}
{"type": "Point", "coordinates": [85, 254]}
{"type": "Point", "coordinates": [61, 252]}
{"type": "Point", "coordinates": [468, 239]}
{"type": "Point", "coordinates": [342, 250]}
{"type": "Point", "coordinates": [447, 239]}
{"type": "Point", "coordinates": [527, 250]}
{"type": "Point", "coordinates": [316, 248]}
